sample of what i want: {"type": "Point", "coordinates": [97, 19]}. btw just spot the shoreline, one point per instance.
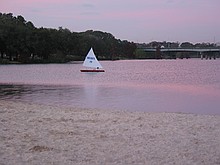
{"type": "Point", "coordinates": [40, 134]}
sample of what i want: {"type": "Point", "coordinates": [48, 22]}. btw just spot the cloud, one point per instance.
{"type": "Point", "coordinates": [88, 10]}
{"type": "Point", "coordinates": [87, 5]}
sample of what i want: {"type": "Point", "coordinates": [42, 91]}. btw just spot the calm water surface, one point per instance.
{"type": "Point", "coordinates": [188, 86]}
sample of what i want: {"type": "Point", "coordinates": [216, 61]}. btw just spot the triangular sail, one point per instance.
{"type": "Point", "coordinates": [91, 60]}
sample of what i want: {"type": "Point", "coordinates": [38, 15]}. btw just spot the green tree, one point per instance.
{"type": "Point", "coordinates": [21, 40]}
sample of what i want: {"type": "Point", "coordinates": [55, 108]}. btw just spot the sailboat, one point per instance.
{"type": "Point", "coordinates": [92, 63]}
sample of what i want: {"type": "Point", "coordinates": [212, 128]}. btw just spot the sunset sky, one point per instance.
{"type": "Point", "coordinates": [133, 20]}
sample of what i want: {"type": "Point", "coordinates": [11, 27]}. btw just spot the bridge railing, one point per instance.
{"type": "Point", "coordinates": [182, 50]}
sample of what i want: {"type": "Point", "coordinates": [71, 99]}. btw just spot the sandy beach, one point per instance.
{"type": "Point", "coordinates": [37, 134]}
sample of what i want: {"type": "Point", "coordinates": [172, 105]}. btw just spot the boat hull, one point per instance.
{"type": "Point", "coordinates": [92, 70]}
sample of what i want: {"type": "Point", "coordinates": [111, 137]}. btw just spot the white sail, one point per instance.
{"type": "Point", "coordinates": [91, 60]}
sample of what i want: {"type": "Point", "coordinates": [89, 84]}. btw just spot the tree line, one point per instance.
{"type": "Point", "coordinates": [22, 42]}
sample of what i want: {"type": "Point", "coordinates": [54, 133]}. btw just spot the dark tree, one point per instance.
{"type": "Point", "coordinates": [20, 40]}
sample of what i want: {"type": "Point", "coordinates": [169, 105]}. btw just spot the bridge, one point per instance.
{"type": "Point", "coordinates": [181, 50]}
{"type": "Point", "coordinates": [203, 52]}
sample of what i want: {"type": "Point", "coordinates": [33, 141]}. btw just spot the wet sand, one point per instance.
{"type": "Point", "coordinates": [38, 134]}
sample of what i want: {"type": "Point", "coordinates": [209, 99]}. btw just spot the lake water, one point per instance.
{"type": "Point", "coordinates": [187, 86]}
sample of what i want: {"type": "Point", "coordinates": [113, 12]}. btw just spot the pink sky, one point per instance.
{"type": "Point", "coordinates": [138, 21]}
